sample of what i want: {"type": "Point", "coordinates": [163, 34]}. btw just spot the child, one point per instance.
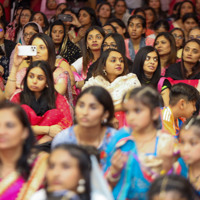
{"type": "Point", "coordinates": [189, 163]}
{"type": "Point", "coordinates": [182, 104]}
{"type": "Point", "coordinates": [136, 155]}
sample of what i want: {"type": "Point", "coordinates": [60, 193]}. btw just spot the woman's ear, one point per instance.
{"type": "Point", "coordinates": [105, 115]}
{"type": "Point", "coordinates": [156, 113]}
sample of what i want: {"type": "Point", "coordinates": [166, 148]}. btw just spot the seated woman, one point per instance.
{"type": "Point", "coordinates": [166, 47]}
{"type": "Point", "coordinates": [47, 110]}
{"type": "Point", "coordinates": [194, 33]}
{"type": "Point", "coordinates": [93, 126]}
{"type": "Point", "coordinates": [21, 173]}
{"type": "Point", "coordinates": [111, 73]}
{"type": "Point", "coordinates": [136, 29]}
{"type": "Point", "coordinates": [46, 52]}
{"type": "Point", "coordinates": [72, 183]}
{"type": "Point", "coordinates": [187, 71]}
{"type": "Point", "coordinates": [147, 66]}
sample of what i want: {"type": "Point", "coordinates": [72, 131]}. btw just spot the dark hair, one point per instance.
{"type": "Point", "coordinates": [58, 23]}
{"type": "Point", "coordinates": [182, 91]}
{"type": "Point", "coordinates": [102, 4]}
{"type": "Point", "coordinates": [50, 47]}
{"type": "Point", "coordinates": [19, 24]}
{"type": "Point", "coordinates": [172, 183]}
{"type": "Point", "coordinates": [147, 96]}
{"type": "Point", "coordinates": [196, 27]}
{"type": "Point", "coordinates": [3, 17]}
{"type": "Point", "coordinates": [27, 95]}
{"type": "Point", "coordinates": [87, 53]}
{"type": "Point", "coordinates": [60, 4]}
{"type": "Point", "coordinates": [108, 24]}
{"type": "Point", "coordinates": [119, 42]}
{"type": "Point", "coordinates": [138, 64]}
{"type": "Point", "coordinates": [138, 10]}
{"type": "Point", "coordinates": [116, 1]}
{"type": "Point", "coordinates": [179, 9]}
{"type": "Point", "coordinates": [161, 23]}
{"type": "Point", "coordinates": [2, 22]}
{"type": "Point", "coordinates": [91, 12]}
{"type": "Point", "coordinates": [32, 24]}
{"type": "Point", "coordinates": [172, 55]}
{"type": "Point", "coordinates": [179, 29]}
{"type": "Point", "coordinates": [190, 15]}
{"type": "Point", "coordinates": [195, 68]}
{"type": "Point", "coordinates": [102, 63]}
{"type": "Point", "coordinates": [46, 22]}
{"type": "Point", "coordinates": [22, 164]}
{"type": "Point", "coordinates": [103, 97]}
{"type": "Point", "coordinates": [153, 11]}
{"type": "Point", "coordinates": [84, 163]}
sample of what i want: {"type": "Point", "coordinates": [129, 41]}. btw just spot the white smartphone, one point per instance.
{"type": "Point", "coordinates": [27, 50]}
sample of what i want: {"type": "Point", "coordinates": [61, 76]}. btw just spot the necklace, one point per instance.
{"type": "Point", "coordinates": [194, 179]}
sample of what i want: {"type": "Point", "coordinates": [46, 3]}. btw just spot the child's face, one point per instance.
{"type": "Point", "coordinates": [190, 145]}
{"type": "Point", "coordinates": [189, 109]}
{"type": "Point", "coordinates": [139, 117]}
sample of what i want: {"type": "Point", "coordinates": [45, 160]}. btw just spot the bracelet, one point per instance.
{"type": "Point", "coordinates": [113, 178]}
{"type": "Point", "coordinates": [12, 80]}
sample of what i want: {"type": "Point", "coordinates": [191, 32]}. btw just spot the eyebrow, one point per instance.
{"type": "Point", "coordinates": [31, 73]}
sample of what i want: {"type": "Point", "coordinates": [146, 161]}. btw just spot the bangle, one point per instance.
{"type": "Point", "coordinates": [12, 80]}
{"type": "Point", "coordinates": [113, 178]}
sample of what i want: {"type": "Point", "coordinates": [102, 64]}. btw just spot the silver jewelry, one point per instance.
{"type": "Point", "coordinates": [81, 186]}
{"type": "Point", "coordinates": [105, 73]}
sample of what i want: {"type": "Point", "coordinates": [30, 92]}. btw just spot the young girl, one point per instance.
{"type": "Point", "coordinates": [188, 164]}
{"type": "Point", "coordinates": [47, 110]}
{"type": "Point", "coordinates": [138, 153]}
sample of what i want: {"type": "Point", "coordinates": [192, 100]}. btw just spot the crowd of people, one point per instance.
{"type": "Point", "coordinates": [108, 107]}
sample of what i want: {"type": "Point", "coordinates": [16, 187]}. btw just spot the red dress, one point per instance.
{"type": "Point", "coordinates": [59, 116]}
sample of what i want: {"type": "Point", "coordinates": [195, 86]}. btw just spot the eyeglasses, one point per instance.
{"type": "Point", "coordinates": [28, 34]}
{"type": "Point", "coordinates": [26, 16]}
{"type": "Point", "coordinates": [155, 59]}
{"type": "Point", "coordinates": [194, 37]}
{"type": "Point", "coordinates": [111, 46]}
{"type": "Point", "coordinates": [178, 36]}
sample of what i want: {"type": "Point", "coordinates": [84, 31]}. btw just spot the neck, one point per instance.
{"type": "Point", "coordinates": [103, 21]}
{"type": "Point", "coordinates": [119, 16]}
{"type": "Point", "coordinates": [57, 46]}
{"type": "Point", "coordinates": [148, 75]}
{"type": "Point", "coordinates": [176, 112]}
{"type": "Point", "coordinates": [37, 95]}
{"type": "Point", "coordinates": [2, 41]}
{"type": "Point", "coordinates": [195, 168]}
{"type": "Point", "coordinates": [111, 78]}
{"type": "Point", "coordinates": [88, 135]}
{"type": "Point", "coordinates": [163, 61]}
{"type": "Point", "coordinates": [96, 54]}
{"type": "Point", "coordinates": [136, 43]}
{"type": "Point", "coordinates": [188, 67]}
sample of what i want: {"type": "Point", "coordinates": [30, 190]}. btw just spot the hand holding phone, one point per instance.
{"type": "Point", "coordinates": [27, 50]}
{"type": "Point", "coordinates": [65, 17]}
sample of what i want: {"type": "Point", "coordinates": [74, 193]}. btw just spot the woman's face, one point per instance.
{"type": "Point", "coordinates": [109, 43]}
{"type": "Point", "coordinates": [36, 80]}
{"type": "Point", "coordinates": [51, 4]}
{"type": "Point", "coordinates": [163, 46]}
{"type": "Point", "coordinates": [108, 29]}
{"type": "Point", "coordinates": [118, 28]}
{"type": "Point", "coordinates": [25, 17]}
{"type": "Point", "coordinates": [60, 9]}
{"type": "Point", "coordinates": [149, 16]}
{"type": "Point", "coordinates": [160, 30]}
{"type": "Point", "coordinates": [114, 65]}
{"type": "Point", "coordinates": [155, 4]}
{"type": "Point", "coordinates": [63, 171]}
{"type": "Point", "coordinates": [120, 8]}
{"type": "Point", "coordinates": [28, 33]}
{"type": "Point", "coordinates": [104, 11]}
{"type": "Point", "coordinates": [42, 51]}
{"type": "Point", "coordinates": [186, 8]}
{"type": "Point", "coordinates": [191, 52]}
{"type": "Point", "coordinates": [18, 14]}
{"type": "Point", "coordinates": [150, 64]}
{"type": "Point", "coordinates": [84, 18]}
{"type": "Point", "coordinates": [12, 132]}
{"type": "Point", "coordinates": [179, 37]}
{"type": "Point", "coordinates": [194, 34]}
{"type": "Point", "coordinates": [188, 24]}
{"type": "Point", "coordinates": [94, 40]}
{"type": "Point", "coordinates": [89, 112]}
{"type": "Point", "coordinates": [135, 29]}
{"type": "Point", "coordinates": [38, 18]}
{"type": "Point", "coordinates": [57, 34]}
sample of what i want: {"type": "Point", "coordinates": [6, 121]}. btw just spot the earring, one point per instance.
{"type": "Point", "coordinates": [81, 186]}
{"type": "Point", "coordinates": [104, 121]}
{"type": "Point", "coordinates": [104, 71]}
{"type": "Point", "coordinates": [47, 86]}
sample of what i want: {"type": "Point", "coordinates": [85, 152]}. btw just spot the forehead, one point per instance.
{"type": "Point", "coordinates": [192, 45]}
{"type": "Point", "coordinates": [195, 31]}
{"type": "Point", "coordinates": [37, 71]}
{"type": "Point", "coordinates": [38, 15]}
{"type": "Point", "coordinates": [29, 28]}
{"type": "Point", "coordinates": [152, 54]}
{"type": "Point", "coordinates": [136, 21]}
{"type": "Point", "coordinates": [26, 12]}
{"type": "Point", "coordinates": [105, 6]}
{"type": "Point", "coordinates": [38, 41]}
{"type": "Point", "coordinates": [109, 39]}
{"type": "Point", "coordinates": [88, 98]}
{"type": "Point", "coordinates": [162, 38]}
{"type": "Point", "coordinates": [177, 32]}
{"type": "Point", "coordinates": [58, 27]}
{"type": "Point", "coordinates": [83, 12]}
{"type": "Point", "coordinates": [115, 54]}
{"type": "Point", "coordinates": [94, 32]}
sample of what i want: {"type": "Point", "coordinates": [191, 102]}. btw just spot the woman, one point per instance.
{"type": "Point", "coordinates": [93, 126]}
{"type": "Point", "coordinates": [24, 18]}
{"type": "Point", "coordinates": [179, 37]}
{"type": "Point", "coordinates": [47, 111]}
{"type": "Point", "coordinates": [20, 173]}
{"type": "Point", "coordinates": [91, 52]}
{"type": "Point", "coordinates": [156, 5]}
{"type": "Point", "coordinates": [150, 17]}
{"type": "Point", "coordinates": [111, 73]}
{"type": "Point", "coordinates": [190, 20]}
{"type": "Point", "coordinates": [104, 12]}
{"type": "Point", "coordinates": [46, 52]}
{"type": "Point", "coordinates": [136, 30]}
{"type": "Point", "coordinates": [160, 26]}
{"type": "Point", "coordinates": [166, 47]}
{"type": "Point", "coordinates": [63, 46]}
{"type": "Point", "coordinates": [185, 7]}
{"type": "Point", "coordinates": [71, 182]}
{"type": "Point", "coordinates": [194, 33]}
{"type": "Point", "coordinates": [187, 71]}
{"type": "Point", "coordinates": [147, 66]}
{"type": "Point", "coordinates": [41, 19]}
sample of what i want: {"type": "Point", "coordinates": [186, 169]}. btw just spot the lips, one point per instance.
{"type": "Point", "coordinates": [34, 87]}
{"type": "Point", "coordinates": [118, 68]}
{"type": "Point", "coordinates": [151, 67]}
{"type": "Point", "coordinates": [94, 45]}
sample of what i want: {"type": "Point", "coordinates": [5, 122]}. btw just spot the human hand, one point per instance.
{"type": "Point", "coordinates": [54, 130]}
{"type": "Point", "coordinates": [75, 20]}
{"type": "Point", "coordinates": [17, 59]}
